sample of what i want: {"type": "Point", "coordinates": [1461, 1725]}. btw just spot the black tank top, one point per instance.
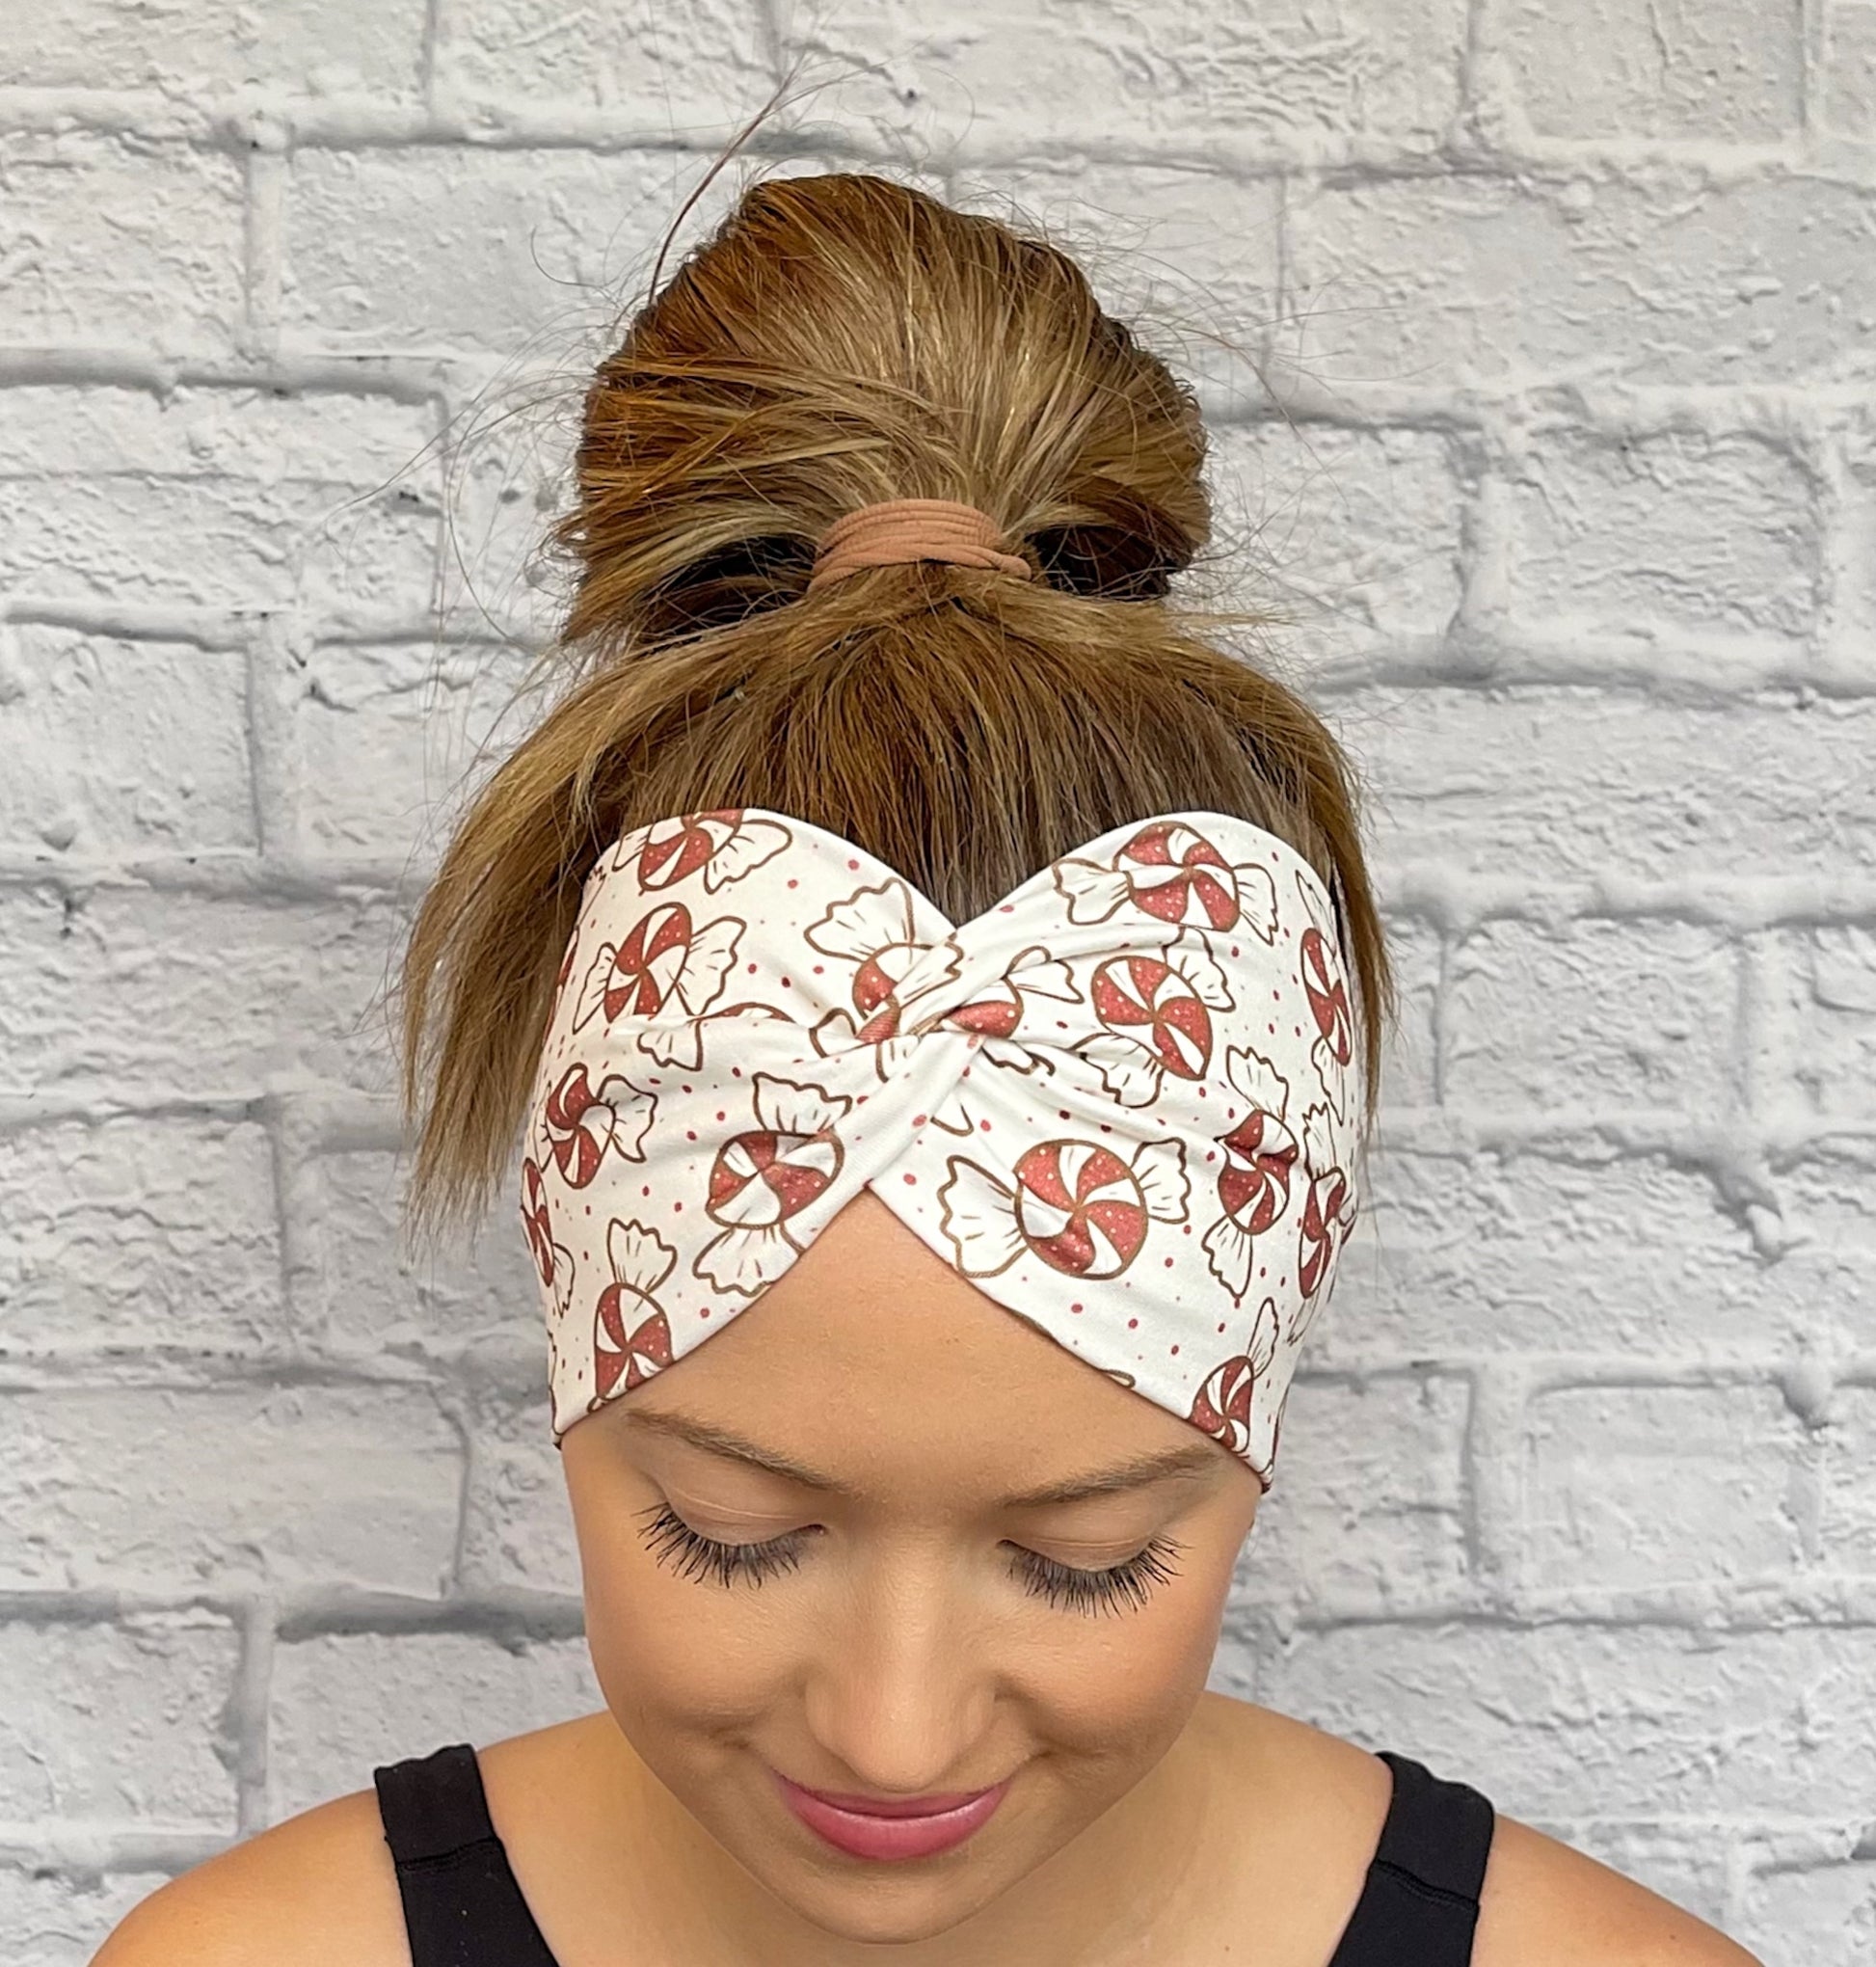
{"type": "Point", "coordinates": [463, 1908]}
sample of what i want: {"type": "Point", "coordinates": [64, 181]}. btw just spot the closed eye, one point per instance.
{"type": "Point", "coordinates": [673, 1542]}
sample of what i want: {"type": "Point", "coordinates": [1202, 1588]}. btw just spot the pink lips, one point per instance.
{"type": "Point", "coordinates": [865, 1827]}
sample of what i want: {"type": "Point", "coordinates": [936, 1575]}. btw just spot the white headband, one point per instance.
{"type": "Point", "coordinates": [1123, 1101]}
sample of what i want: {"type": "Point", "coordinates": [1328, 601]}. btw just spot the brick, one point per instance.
{"type": "Point", "coordinates": [1818, 1914]}
{"type": "Point", "coordinates": [1367, 1502]}
{"type": "Point", "coordinates": [1847, 96]}
{"type": "Point", "coordinates": [1406, 1071]}
{"type": "Point", "coordinates": [1623, 1721]}
{"type": "Point", "coordinates": [181, 990]}
{"type": "Point", "coordinates": [218, 499]}
{"type": "Point", "coordinates": [1295, 179]}
{"type": "Point", "coordinates": [666, 69]}
{"type": "Point", "coordinates": [61, 1922]}
{"type": "Point", "coordinates": [517, 1530]}
{"type": "Point", "coordinates": [214, 45]}
{"type": "Point", "coordinates": [1722, 71]}
{"type": "Point", "coordinates": [379, 1295]}
{"type": "Point", "coordinates": [149, 1233]}
{"type": "Point", "coordinates": [1847, 1512]}
{"type": "Point", "coordinates": [500, 577]}
{"type": "Point", "coordinates": [1601, 1014]}
{"type": "Point", "coordinates": [130, 1487]}
{"type": "Point", "coordinates": [1180, 72]}
{"type": "Point", "coordinates": [124, 1730]}
{"type": "Point", "coordinates": [420, 248]}
{"type": "Point", "coordinates": [108, 238]}
{"type": "Point", "coordinates": [1829, 1199]}
{"type": "Point", "coordinates": [1675, 532]}
{"type": "Point", "coordinates": [1847, 655]}
{"type": "Point", "coordinates": [390, 740]}
{"type": "Point", "coordinates": [1582, 784]}
{"type": "Point", "coordinates": [1655, 1486]}
{"type": "Point", "coordinates": [1631, 1256]}
{"type": "Point", "coordinates": [1197, 278]}
{"type": "Point", "coordinates": [115, 744]}
{"type": "Point", "coordinates": [1671, 278]}
{"type": "Point", "coordinates": [342, 1704]}
{"type": "Point", "coordinates": [1819, 1022]}
{"type": "Point", "coordinates": [1352, 531]}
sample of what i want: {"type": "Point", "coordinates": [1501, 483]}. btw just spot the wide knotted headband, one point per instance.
{"type": "Point", "coordinates": [1123, 1101]}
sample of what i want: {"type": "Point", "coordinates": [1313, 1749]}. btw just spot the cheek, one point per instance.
{"type": "Point", "coordinates": [671, 1651]}
{"type": "Point", "coordinates": [1122, 1687]}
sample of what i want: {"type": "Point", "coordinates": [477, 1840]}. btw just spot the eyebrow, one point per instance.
{"type": "Point", "coordinates": [1135, 1473]}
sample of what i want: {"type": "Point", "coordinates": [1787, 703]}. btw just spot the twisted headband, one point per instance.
{"type": "Point", "coordinates": [1121, 1101]}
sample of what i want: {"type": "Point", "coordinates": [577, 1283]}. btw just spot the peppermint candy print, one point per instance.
{"type": "Point", "coordinates": [1328, 1217]}
{"type": "Point", "coordinates": [1174, 873]}
{"type": "Point", "coordinates": [632, 1337]}
{"type": "Point", "coordinates": [663, 974]}
{"type": "Point", "coordinates": [709, 849]}
{"type": "Point", "coordinates": [894, 981]}
{"type": "Point", "coordinates": [1121, 1101]}
{"type": "Point", "coordinates": [1156, 1017]}
{"type": "Point", "coordinates": [872, 936]}
{"type": "Point", "coordinates": [554, 1263]}
{"type": "Point", "coordinates": [1032, 982]}
{"type": "Point", "coordinates": [580, 1124]}
{"type": "Point", "coordinates": [1074, 1205]}
{"type": "Point", "coordinates": [763, 1177]}
{"type": "Point", "coordinates": [1253, 1181]}
{"type": "Point", "coordinates": [1222, 1406]}
{"type": "Point", "coordinates": [1326, 989]}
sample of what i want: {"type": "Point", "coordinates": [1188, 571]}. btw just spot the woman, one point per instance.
{"type": "Point", "coordinates": [939, 997]}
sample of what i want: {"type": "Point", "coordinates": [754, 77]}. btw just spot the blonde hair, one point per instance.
{"type": "Point", "coordinates": [840, 340]}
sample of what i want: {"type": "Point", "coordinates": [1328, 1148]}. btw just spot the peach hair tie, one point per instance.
{"type": "Point", "coordinates": [896, 530]}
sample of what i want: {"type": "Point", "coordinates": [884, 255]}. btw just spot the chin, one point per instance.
{"type": "Point", "coordinates": [885, 1905]}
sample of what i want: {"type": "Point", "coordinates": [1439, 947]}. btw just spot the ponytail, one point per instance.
{"type": "Point", "coordinates": [840, 342]}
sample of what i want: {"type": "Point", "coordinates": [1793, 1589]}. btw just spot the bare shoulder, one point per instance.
{"type": "Point", "coordinates": [1543, 1904]}
{"type": "Point", "coordinates": [321, 1887]}
{"type": "Point", "coordinates": [1546, 1905]}
{"type": "Point", "coordinates": [315, 1889]}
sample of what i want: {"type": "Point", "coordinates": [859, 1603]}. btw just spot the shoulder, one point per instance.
{"type": "Point", "coordinates": [317, 1888]}
{"type": "Point", "coordinates": [1546, 1905]}
{"type": "Point", "coordinates": [1543, 1904]}
{"type": "Point", "coordinates": [321, 1887]}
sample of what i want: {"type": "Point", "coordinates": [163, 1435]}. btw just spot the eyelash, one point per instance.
{"type": "Point", "coordinates": [672, 1541]}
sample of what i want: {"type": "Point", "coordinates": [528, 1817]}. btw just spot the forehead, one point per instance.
{"type": "Point", "coordinates": [872, 1357]}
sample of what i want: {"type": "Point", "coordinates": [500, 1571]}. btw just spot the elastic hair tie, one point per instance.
{"type": "Point", "coordinates": [897, 531]}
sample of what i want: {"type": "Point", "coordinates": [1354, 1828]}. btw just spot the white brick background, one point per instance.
{"type": "Point", "coordinates": [1567, 307]}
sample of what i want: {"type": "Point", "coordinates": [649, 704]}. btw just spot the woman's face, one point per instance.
{"type": "Point", "coordinates": [915, 1620]}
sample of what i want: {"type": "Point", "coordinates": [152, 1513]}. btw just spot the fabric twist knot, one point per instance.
{"type": "Point", "coordinates": [1123, 1101]}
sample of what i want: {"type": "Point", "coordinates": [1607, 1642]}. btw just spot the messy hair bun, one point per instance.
{"type": "Point", "coordinates": [842, 340]}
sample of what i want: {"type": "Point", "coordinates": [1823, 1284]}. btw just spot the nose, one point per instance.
{"type": "Point", "coordinates": [899, 1692]}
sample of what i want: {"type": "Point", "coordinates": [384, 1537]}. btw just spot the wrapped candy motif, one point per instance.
{"type": "Point", "coordinates": [1078, 1206]}
{"type": "Point", "coordinates": [1260, 1155]}
{"type": "Point", "coordinates": [765, 1177]}
{"type": "Point", "coordinates": [632, 1339]}
{"type": "Point", "coordinates": [580, 1123]}
{"type": "Point", "coordinates": [1122, 1100]}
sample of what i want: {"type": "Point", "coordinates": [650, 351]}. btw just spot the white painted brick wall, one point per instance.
{"type": "Point", "coordinates": [1569, 307]}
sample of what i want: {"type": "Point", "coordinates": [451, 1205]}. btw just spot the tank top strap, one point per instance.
{"type": "Point", "coordinates": [1419, 1903]}
{"type": "Point", "coordinates": [462, 1904]}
